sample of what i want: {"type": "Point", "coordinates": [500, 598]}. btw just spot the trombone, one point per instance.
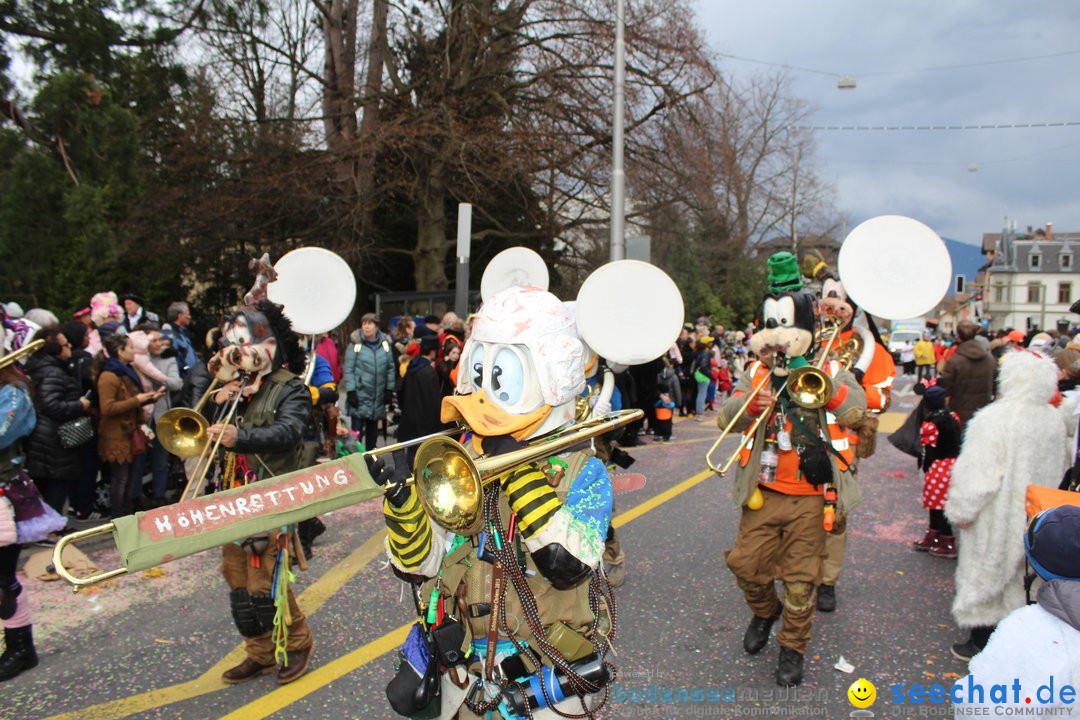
{"type": "Point", "coordinates": [17, 355]}
{"type": "Point", "coordinates": [183, 432]}
{"type": "Point", "coordinates": [809, 387]}
{"type": "Point", "coordinates": [449, 482]}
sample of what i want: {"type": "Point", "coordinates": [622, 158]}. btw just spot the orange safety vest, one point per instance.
{"type": "Point", "coordinates": [787, 467]}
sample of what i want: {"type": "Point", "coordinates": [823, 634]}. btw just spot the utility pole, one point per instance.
{"type": "Point", "coordinates": [464, 245]}
{"type": "Point", "coordinates": [618, 177]}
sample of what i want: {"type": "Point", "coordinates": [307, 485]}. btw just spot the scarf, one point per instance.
{"type": "Point", "coordinates": [114, 365]}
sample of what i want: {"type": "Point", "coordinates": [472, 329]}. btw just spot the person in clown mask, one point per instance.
{"type": "Point", "coordinates": [508, 615]}
{"type": "Point", "coordinates": [260, 358]}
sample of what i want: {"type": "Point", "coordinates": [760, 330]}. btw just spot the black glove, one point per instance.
{"type": "Point", "coordinates": [398, 491]}
{"type": "Point", "coordinates": [354, 398]}
{"type": "Point", "coordinates": [499, 444]}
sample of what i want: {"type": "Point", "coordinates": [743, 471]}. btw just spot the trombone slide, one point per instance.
{"type": "Point", "coordinates": [151, 538]}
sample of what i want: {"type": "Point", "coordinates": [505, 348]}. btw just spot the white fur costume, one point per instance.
{"type": "Point", "coordinates": [1016, 441]}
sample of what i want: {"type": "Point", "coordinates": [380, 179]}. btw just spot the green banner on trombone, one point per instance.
{"type": "Point", "coordinates": [148, 539]}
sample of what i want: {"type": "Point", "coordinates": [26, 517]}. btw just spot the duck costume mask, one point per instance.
{"type": "Point", "coordinates": [523, 367]}
{"type": "Point", "coordinates": [788, 318]}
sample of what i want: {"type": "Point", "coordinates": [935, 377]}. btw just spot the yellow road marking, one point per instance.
{"type": "Point", "coordinates": [210, 681]}
{"type": "Point", "coordinates": [641, 508]}
{"type": "Point", "coordinates": [891, 421]}
{"type": "Point", "coordinates": [284, 696]}
{"type": "Point", "coordinates": [654, 444]}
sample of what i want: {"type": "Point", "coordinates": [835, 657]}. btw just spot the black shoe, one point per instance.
{"type": "Point", "coordinates": [789, 669]}
{"type": "Point", "coordinates": [965, 650]}
{"type": "Point", "coordinates": [757, 633]}
{"type": "Point", "coordinates": [19, 654]}
{"type": "Point", "coordinates": [826, 598]}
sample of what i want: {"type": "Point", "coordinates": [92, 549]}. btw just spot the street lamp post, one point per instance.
{"type": "Point", "coordinates": [618, 177]}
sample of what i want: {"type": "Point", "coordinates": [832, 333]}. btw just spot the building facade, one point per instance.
{"type": "Point", "coordinates": [1033, 278]}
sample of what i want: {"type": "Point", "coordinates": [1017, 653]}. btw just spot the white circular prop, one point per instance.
{"type": "Point", "coordinates": [629, 312]}
{"type": "Point", "coordinates": [316, 287]}
{"type": "Point", "coordinates": [513, 267]}
{"type": "Point", "coordinates": [895, 267]}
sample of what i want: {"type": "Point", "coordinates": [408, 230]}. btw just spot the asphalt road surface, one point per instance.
{"type": "Point", "coordinates": [153, 645]}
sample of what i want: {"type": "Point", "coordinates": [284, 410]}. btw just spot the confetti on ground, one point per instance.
{"type": "Point", "coordinates": [161, 641]}
{"type": "Point", "coordinates": [844, 666]}
{"type": "Point", "coordinates": [155, 572]}
{"type": "Point", "coordinates": [950, 676]}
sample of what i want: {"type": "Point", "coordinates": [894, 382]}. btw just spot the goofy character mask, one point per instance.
{"type": "Point", "coordinates": [788, 318]}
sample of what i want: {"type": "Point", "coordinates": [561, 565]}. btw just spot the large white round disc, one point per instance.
{"type": "Point", "coordinates": [895, 267]}
{"type": "Point", "coordinates": [316, 287]}
{"type": "Point", "coordinates": [629, 312]}
{"type": "Point", "coordinates": [512, 267]}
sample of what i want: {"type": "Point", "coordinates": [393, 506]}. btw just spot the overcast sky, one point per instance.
{"type": "Point", "coordinates": [1030, 175]}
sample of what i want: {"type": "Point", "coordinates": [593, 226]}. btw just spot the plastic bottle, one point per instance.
{"type": "Point", "coordinates": [769, 460]}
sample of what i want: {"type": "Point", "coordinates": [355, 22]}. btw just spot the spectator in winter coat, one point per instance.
{"type": "Point", "coordinates": [924, 358]}
{"type": "Point", "coordinates": [369, 378]}
{"type": "Point", "coordinates": [57, 399]}
{"type": "Point", "coordinates": [175, 331]}
{"type": "Point", "coordinates": [120, 395]}
{"type": "Point", "coordinates": [81, 367]}
{"type": "Point", "coordinates": [151, 377]}
{"type": "Point", "coordinates": [700, 370]}
{"type": "Point", "coordinates": [420, 396]}
{"type": "Point", "coordinates": [328, 351]}
{"type": "Point", "coordinates": [1042, 641]}
{"type": "Point", "coordinates": [968, 375]}
{"type": "Point", "coordinates": [134, 313]}
{"type": "Point", "coordinates": [164, 360]}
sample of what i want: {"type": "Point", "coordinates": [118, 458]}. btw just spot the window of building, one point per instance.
{"type": "Point", "coordinates": [1035, 259]}
{"type": "Point", "coordinates": [1066, 261]}
{"type": "Point", "coordinates": [999, 293]}
{"type": "Point", "coordinates": [1034, 292]}
{"type": "Point", "coordinates": [1065, 293]}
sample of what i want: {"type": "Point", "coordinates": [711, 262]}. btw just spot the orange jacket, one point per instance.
{"type": "Point", "coordinates": [787, 468]}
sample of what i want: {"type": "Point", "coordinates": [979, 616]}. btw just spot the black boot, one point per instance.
{"type": "Point", "coordinates": [789, 670]}
{"type": "Point", "coordinates": [757, 633]}
{"type": "Point", "coordinates": [826, 598]}
{"type": "Point", "coordinates": [19, 652]}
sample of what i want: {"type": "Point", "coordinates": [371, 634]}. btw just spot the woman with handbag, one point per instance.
{"type": "Point", "coordinates": [120, 435]}
{"type": "Point", "coordinates": [63, 424]}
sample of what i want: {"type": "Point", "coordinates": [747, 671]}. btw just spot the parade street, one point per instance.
{"type": "Point", "coordinates": [153, 645]}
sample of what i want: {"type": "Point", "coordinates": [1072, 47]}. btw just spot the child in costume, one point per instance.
{"type": "Point", "coordinates": [940, 438]}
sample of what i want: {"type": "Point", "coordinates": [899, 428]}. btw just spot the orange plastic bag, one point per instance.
{"type": "Point", "coordinates": [1039, 498]}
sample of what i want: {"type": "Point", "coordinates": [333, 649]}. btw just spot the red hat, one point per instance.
{"type": "Point", "coordinates": [1016, 336]}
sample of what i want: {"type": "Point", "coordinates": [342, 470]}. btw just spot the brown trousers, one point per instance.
{"type": "Point", "coordinates": [784, 540]}
{"type": "Point", "coordinates": [835, 545]}
{"type": "Point", "coordinates": [236, 567]}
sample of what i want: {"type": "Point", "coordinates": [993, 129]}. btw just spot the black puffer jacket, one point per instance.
{"type": "Point", "coordinates": [56, 399]}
